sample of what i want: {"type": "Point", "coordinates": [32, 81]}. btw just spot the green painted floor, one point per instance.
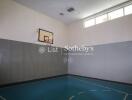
{"type": "Point", "coordinates": [67, 88]}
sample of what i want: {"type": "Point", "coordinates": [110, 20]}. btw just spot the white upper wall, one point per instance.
{"type": "Point", "coordinates": [109, 62]}
{"type": "Point", "coordinates": [117, 30]}
{"type": "Point", "coordinates": [20, 23]}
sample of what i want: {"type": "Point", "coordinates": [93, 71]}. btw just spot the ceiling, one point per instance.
{"type": "Point", "coordinates": [83, 8]}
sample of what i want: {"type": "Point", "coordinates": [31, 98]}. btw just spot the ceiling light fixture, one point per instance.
{"type": "Point", "coordinates": [71, 9]}
{"type": "Point", "coordinates": [62, 14]}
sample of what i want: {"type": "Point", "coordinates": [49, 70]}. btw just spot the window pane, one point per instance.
{"type": "Point", "coordinates": [89, 23]}
{"type": "Point", "coordinates": [101, 19]}
{"type": "Point", "coordinates": [128, 10]}
{"type": "Point", "coordinates": [116, 14]}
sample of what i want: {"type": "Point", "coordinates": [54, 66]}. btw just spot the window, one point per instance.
{"type": "Point", "coordinates": [89, 23]}
{"type": "Point", "coordinates": [101, 19]}
{"type": "Point", "coordinates": [115, 14]}
{"type": "Point", "coordinates": [128, 10]}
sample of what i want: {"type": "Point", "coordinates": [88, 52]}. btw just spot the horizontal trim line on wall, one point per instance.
{"type": "Point", "coordinates": [30, 81]}
{"type": "Point", "coordinates": [102, 44]}
{"type": "Point", "coordinates": [50, 45]}
{"type": "Point", "coordinates": [100, 79]}
{"type": "Point", "coordinates": [34, 80]}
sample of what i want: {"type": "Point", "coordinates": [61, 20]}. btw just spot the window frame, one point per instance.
{"type": "Point", "coordinates": [86, 26]}
{"type": "Point", "coordinates": [100, 16]}
{"type": "Point", "coordinates": [107, 14]}
{"type": "Point", "coordinates": [109, 19]}
{"type": "Point", "coordinates": [125, 11]}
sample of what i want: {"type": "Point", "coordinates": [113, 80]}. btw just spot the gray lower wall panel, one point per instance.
{"type": "Point", "coordinates": [110, 62]}
{"type": "Point", "coordinates": [21, 61]}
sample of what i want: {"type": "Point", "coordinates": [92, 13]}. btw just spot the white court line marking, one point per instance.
{"type": "Point", "coordinates": [2, 98]}
{"type": "Point", "coordinates": [70, 98]}
{"type": "Point", "coordinates": [116, 90]}
{"type": "Point", "coordinates": [80, 93]}
{"type": "Point", "coordinates": [106, 90]}
{"type": "Point", "coordinates": [125, 98]}
{"type": "Point", "coordinates": [92, 90]}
